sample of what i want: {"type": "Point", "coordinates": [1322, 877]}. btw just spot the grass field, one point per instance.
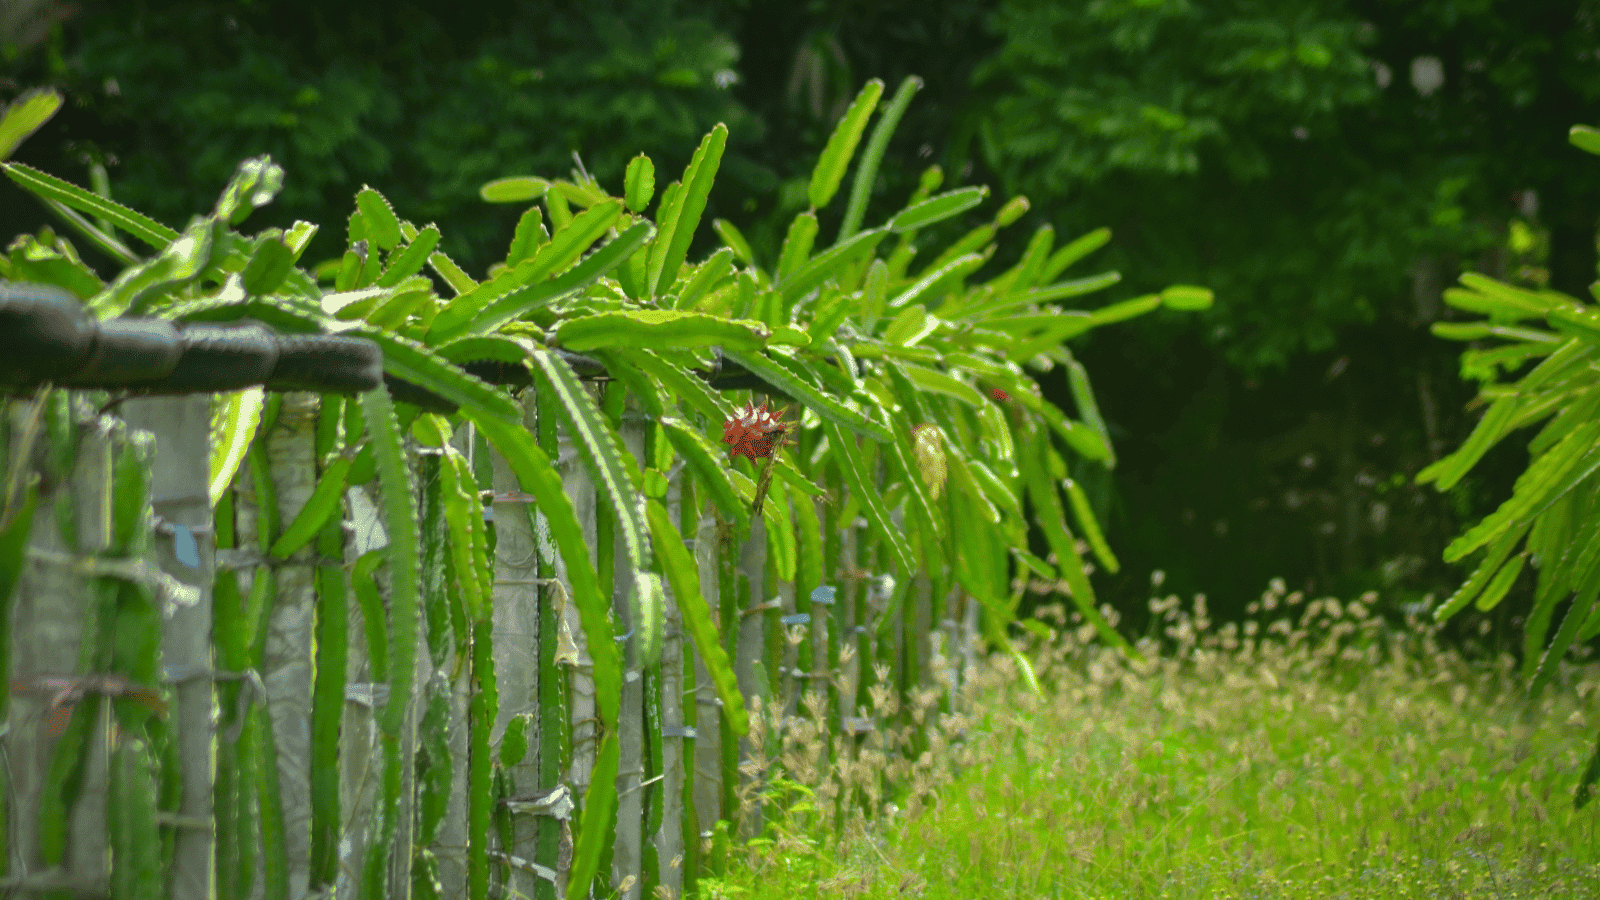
{"type": "Point", "coordinates": [1317, 752]}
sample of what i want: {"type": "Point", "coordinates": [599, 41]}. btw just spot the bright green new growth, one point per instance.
{"type": "Point", "coordinates": [835, 158]}
{"type": "Point", "coordinates": [400, 517]}
{"type": "Point", "coordinates": [25, 115]}
{"type": "Point", "coordinates": [867, 171]}
{"type": "Point", "coordinates": [234, 419]}
{"type": "Point", "coordinates": [679, 218]}
{"type": "Point", "coordinates": [639, 184]}
{"type": "Point", "coordinates": [1554, 510]}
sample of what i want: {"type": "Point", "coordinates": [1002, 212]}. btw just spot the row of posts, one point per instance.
{"type": "Point", "coordinates": [72, 562]}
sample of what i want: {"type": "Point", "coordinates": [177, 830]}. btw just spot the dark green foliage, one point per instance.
{"type": "Point", "coordinates": [1148, 87]}
{"type": "Point", "coordinates": [427, 103]}
{"type": "Point", "coordinates": [1327, 247]}
{"type": "Point", "coordinates": [1223, 139]}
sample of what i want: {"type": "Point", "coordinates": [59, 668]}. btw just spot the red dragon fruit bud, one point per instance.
{"type": "Point", "coordinates": [753, 432]}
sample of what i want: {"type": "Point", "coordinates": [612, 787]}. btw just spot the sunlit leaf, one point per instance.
{"type": "Point", "coordinates": [835, 158]}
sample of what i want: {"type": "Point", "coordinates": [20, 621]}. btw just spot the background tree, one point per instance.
{"type": "Point", "coordinates": [1327, 169]}
{"type": "Point", "coordinates": [426, 102]}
